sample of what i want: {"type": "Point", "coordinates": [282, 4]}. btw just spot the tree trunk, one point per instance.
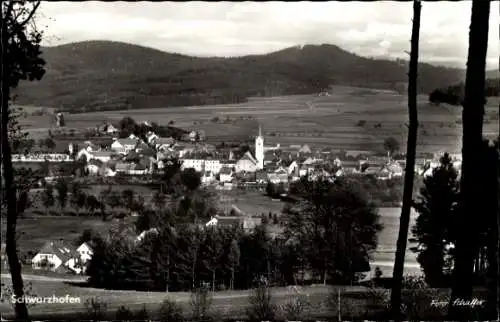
{"type": "Point", "coordinates": [410, 166]}
{"type": "Point", "coordinates": [232, 279]}
{"type": "Point", "coordinates": [470, 192]}
{"type": "Point", "coordinates": [213, 281]}
{"type": "Point", "coordinates": [10, 194]}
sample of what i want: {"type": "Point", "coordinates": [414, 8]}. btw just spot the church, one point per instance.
{"type": "Point", "coordinates": [252, 163]}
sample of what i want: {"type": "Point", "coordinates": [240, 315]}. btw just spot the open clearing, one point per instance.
{"type": "Point", "coordinates": [329, 121]}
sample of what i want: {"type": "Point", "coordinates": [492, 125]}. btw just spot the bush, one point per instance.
{"type": "Point", "coordinates": [261, 307]}
{"type": "Point", "coordinates": [298, 308]}
{"type": "Point", "coordinates": [200, 304]}
{"type": "Point", "coordinates": [361, 123]}
{"type": "Point", "coordinates": [170, 311]}
{"type": "Point", "coordinates": [124, 314]}
{"type": "Point", "coordinates": [96, 308]}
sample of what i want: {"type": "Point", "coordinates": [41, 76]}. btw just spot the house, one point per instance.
{"type": "Point", "coordinates": [226, 174]}
{"type": "Point", "coordinates": [290, 166]}
{"type": "Point", "coordinates": [207, 177]}
{"type": "Point", "coordinates": [394, 168]}
{"type": "Point", "coordinates": [151, 137]}
{"type": "Point", "coordinates": [142, 235]}
{"type": "Point", "coordinates": [202, 165]}
{"type": "Point", "coordinates": [192, 136]}
{"type": "Point", "coordinates": [124, 146]}
{"type": "Point", "coordinates": [305, 149]}
{"type": "Point", "coordinates": [278, 175]}
{"type": "Point", "coordinates": [93, 166]}
{"type": "Point", "coordinates": [247, 163]}
{"type": "Point", "coordinates": [57, 256]}
{"type": "Point", "coordinates": [248, 223]}
{"type": "Point", "coordinates": [111, 129]}
{"type": "Point", "coordinates": [161, 144]}
{"type": "Point", "coordinates": [85, 252]}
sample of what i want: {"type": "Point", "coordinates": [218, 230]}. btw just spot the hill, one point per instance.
{"type": "Point", "coordinates": [105, 75]}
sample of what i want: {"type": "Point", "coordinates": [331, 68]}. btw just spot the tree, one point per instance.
{"type": "Point", "coordinates": [336, 228]}
{"type": "Point", "coordinates": [76, 192]}
{"type": "Point", "coordinates": [190, 179]}
{"type": "Point", "coordinates": [61, 187]}
{"type": "Point", "coordinates": [271, 189]}
{"type": "Point", "coordinates": [472, 118]}
{"type": "Point", "coordinates": [411, 149]}
{"type": "Point", "coordinates": [128, 197]}
{"type": "Point", "coordinates": [48, 199]}
{"type": "Point", "coordinates": [437, 206]}
{"type": "Point", "coordinates": [391, 145]}
{"type": "Point", "coordinates": [20, 56]}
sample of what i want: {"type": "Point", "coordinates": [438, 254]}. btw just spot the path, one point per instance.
{"type": "Point", "coordinates": [31, 277]}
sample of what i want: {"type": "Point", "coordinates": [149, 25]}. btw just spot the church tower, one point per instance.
{"type": "Point", "coordinates": [259, 150]}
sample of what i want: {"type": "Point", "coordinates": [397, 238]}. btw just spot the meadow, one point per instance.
{"type": "Point", "coordinates": [327, 121]}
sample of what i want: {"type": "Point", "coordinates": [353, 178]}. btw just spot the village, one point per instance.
{"type": "Point", "coordinates": [223, 168]}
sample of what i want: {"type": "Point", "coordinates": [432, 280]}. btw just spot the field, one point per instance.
{"type": "Point", "coordinates": [330, 121]}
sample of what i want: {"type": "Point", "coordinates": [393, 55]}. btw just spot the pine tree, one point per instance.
{"type": "Point", "coordinates": [437, 206]}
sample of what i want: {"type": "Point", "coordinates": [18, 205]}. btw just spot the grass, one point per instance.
{"type": "Point", "coordinates": [289, 120]}
{"type": "Point", "coordinates": [355, 301]}
{"type": "Point", "coordinates": [34, 231]}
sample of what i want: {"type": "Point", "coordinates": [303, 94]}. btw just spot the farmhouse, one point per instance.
{"type": "Point", "coordinates": [57, 256]}
{"type": "Point", "coordinates": [124, 146]}
{"type": "Point", "coordinates": [85, 252]}
{"type": "Point", "coordinates": [226, 174]}
{"type": "Point", "coordinates": [248, 223]}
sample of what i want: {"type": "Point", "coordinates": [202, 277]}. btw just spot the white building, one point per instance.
{"type": "Point", "coordinates": [85, 252]}
{"type": "Point", "coordinates": [202, 165]}
{"type": "Point", "coordinates": [56, 255]}
{"type": "Point", "coordinates": [226, 174]}
{"type": "Point", "coordinates": [124, 146]}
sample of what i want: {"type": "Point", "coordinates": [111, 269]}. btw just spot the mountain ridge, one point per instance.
{"type": "Point", "coordinates": [104, 75]}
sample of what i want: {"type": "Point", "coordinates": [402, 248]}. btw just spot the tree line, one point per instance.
{"type": "Point", "coordinates": [454, 94]}
{"type": "Point", "coordinates": [329, 237]}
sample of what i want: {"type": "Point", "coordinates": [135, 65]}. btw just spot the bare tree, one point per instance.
{"type": "Point", "coordinates": [410, 165]}
{"type": "Point", "coordinates": [20, 56]}
{"type": "Point", "coordinates": [470, 192]}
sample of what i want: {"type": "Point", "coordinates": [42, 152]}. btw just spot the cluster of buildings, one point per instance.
{"type": "Point", "coordinates": [142, 156]}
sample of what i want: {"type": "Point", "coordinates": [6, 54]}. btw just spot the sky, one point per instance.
{"type": "Point", "coordinates": [373, 29]}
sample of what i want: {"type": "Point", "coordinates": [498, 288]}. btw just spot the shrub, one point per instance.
{"type": "Point", "coordinates": [201, 301]}
{"type": "Point", "coordinates": [142, 314]}
{"type": "Point", "coordinates": [170, 311]}
{"type": "Point", "coordinates": [298, 308]}
{"type": "Point", "coordinates": [96, 308]}
{"type": "Point", "coordinates": [361, 123]}
{"type": "Point", "coordinates": [124, 314]}
{"type": "Point", "coordinates": [261, 307]}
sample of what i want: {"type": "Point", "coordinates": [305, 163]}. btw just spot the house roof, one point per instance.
{"type": "Point", "coordinates": [60, 249]}
{"type": "Point", "coordinates": [229, 220]}
{"type": "Point", "coordinates": [94, 162]}
{"type": "Point", "coordinates": [127, 141]}
{"type": "Point", "coordinates": [168, 140]}
{"type": "Point", "coordinates": [122, 166]}
{"type": "Point", "coordinates": [248, 156]}
{"type": "Point", "coordinates": [287, 162]}
{"type": "Point", "coordinates": [103, 153]}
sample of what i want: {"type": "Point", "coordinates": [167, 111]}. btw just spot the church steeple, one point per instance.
{"type": "Point", "coordinates": [259, 149]}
